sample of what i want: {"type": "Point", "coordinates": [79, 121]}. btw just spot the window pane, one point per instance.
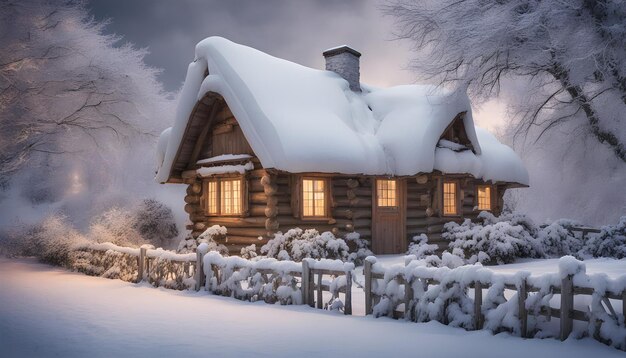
{"type": "Point", "coordinates": [313, 197]}
{"type": "Point", "coordinates": [484, 198]}
{"type": "Point", "coordinates": [211, 197]}
{"type": "Point", "coordinates": [230, 194]}
{"type": "Point", "coordinates": [449, 198]}
{"type": "Point", "coordinates": [386, 193]}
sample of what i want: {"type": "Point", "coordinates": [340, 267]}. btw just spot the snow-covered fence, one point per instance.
{"type": "Point", "coordinates": [159, 267]}
{"type": "Point", "coordinates": [584, 231]}
{"type": "Point", "coordinates": [106, 260]}
{"type": "Point", "coordinates": [287, 282]}
{"type": "Point", "coordinates": [167, 269]}
{"type": "Point", "coordinates": [342, 282]}
{"type": "Point", "coordinates": [518, 303]}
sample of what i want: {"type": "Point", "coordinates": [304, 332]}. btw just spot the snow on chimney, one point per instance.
{"type": "Point", "coordinates": [344, 61]}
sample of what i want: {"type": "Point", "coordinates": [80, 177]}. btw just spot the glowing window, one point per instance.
{"type": "Point", "coordinates": [223, 197]}
{"type": "Point", "coordinates": [230, 195]}
{"type": "Point", "coordinates": [449, 198]}
{"type": "Point", "coordinates": [211, 206]}
{"type": "Point", "coordinates": [313, 197]}
{"type": "Point", "coordinates": [386, 194]}
{"type": "Point", "coordinates": [484, 197]}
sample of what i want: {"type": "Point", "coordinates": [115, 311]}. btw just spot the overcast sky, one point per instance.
{"type": "Point", "coordinates": [294, 30]}
{"type": "Point", "coordinates": [298, 31]}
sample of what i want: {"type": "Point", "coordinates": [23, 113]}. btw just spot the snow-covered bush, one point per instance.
{"type": "Point", "coordinates": [558, 239]}
{"type": "Point", "coordinates": [611, 242]}
{"type": "Point", "coordinates": [359, 248]}
{"type": "Point", "coordinates": [249, 252]}
{"type": "Point", "coordinates": [51, 241]}
{"type": "Point", "coordinates": [297, 244]}
{"type": "Point", "coordinates": [209, 236]}
{"type": "Point", "coordinates": [495, 240]}
{"type": "Point", "coordinates": [154, 221]}
{"type": "Point", "coordinates": [420, 248]}
{"type": "Point", "coordinates": [116, 226]}
{"type": "Point", "coordinates": [149, 222]}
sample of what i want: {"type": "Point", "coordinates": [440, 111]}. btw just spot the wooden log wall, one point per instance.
{"type": "Point", "coordinates": [271, 208]}
{"type": "Point", "coordinates": [352, 206]}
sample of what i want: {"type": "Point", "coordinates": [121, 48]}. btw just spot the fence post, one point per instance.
{"type": "Point", "coordinates": [478, 303]}
{"type": "Point", "coordinates": [320, 299]}
{"type": "Point", "coordinates": [522, 295]}
{"type": "Point", "coordinates": [200, 276]}
{"type": "Point", "coordinates": [348, 306]}
{"type": "Point", "coordinates": [305, 284]}
{"type": "Point", "coordinates": [140, 263]}
{"type": "Point", "coordinates": [367, 273]}
{"type": "Point", "coordinates": [567, 305]}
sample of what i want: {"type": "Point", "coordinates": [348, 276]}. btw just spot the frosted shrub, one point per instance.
{"type": "Point", "coordinates": [558, 239]}
{"type": "Point", "coordinates": [116, 226]}
{"type": "Point", "coordinates": [209, 236]}
{"type": "Point", "coordinates": [495, 240]}
{"type": "Point", "coordinates": [611, 242]}
{"type": "Point", "coordinates": [154, 221]}
{"type": "Point", "coordinates": [359, 248]}
{"type": "Point", "coordinates": [420, 247]}
{"type": "Point", "coordinates": [297, 244]}
{"type": "Point", "coordinates": [51, 241]}
{"type": "Point", "coordinates": [149, 222]}
{"type": "Point", "coordinates": [249, 252]}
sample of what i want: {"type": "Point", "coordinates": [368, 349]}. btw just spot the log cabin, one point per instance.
{"type": "Point", "coordinates": [266, 145]}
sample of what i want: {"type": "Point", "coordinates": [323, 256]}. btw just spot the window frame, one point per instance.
{"type": "Point", "coordinates": [456, 198]}
{"type": "Point", "coordinates": [491, 197]}
{"type": "Point", "coordinates": [327, 198]}
{"type": "Point", "coordinates": [397, 194]}
{"type": "Point", "coordinates": [243, 194]}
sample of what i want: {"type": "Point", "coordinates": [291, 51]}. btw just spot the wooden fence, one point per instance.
{"type": "Point", "coordinates": [308, 275]}
{"type": "Point", "coordinates": [310, 287]}
{"type": "Point", "coordinates": [410, 286]}
{"type": "Point", "coordinates": [523, 287]}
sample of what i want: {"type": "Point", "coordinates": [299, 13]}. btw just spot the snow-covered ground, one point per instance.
{"type": "Point", "coordinates": [47, 311]}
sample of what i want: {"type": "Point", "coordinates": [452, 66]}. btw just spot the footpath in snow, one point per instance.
{"type": "Point", "coordinates": [47, 311]}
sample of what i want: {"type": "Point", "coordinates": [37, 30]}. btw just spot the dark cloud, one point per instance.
{"type": "Point", "coordinates": [295, 30]}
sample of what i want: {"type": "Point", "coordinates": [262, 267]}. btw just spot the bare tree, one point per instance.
{"type": "Point", "coordinates": [572, 51]}
{"type": "Point", "coordinates": [66, 87]}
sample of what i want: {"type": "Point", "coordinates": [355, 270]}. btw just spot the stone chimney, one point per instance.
{"type": "Point", "coordinates": [344, 61]}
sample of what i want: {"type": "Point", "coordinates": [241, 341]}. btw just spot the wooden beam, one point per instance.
{"type": "Point", "coordinates": [203, 133]}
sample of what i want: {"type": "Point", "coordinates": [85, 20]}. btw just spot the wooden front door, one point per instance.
{"type": "Point", "coordinates": [388, 216]}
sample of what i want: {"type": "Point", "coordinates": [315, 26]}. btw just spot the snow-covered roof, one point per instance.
{"type": "Point", "coordinates": [300, 119]}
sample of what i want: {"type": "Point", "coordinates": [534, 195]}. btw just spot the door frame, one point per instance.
{"type": "Point", "coordinates": [401, 192]}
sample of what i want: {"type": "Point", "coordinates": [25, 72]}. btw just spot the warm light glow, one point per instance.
{"type": "Point", "coordinates": [211, 197]}
{"type": "Point", "coordinates": [223, 197]}
{"type": "Point", "coordinates": [313, 197]}
{"type": "Point", "coordinates": [230, 193]}
{"type": "Point", "coordinates": [449, 198]}
{"type": "Point", "coordinates": [386, 193]}
{"type": "Point", "coordinates": [77, 185]}
{"type": "Point", "coordinates": [484, 197]}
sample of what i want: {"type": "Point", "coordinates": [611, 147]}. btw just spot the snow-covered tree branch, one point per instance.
{"type": "Point", "coordinates": [573, 52]}
{"type": "Point", "coordinates": [66, 87]}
